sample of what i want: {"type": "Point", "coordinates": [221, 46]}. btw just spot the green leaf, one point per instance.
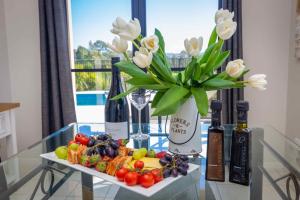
{"type": "Point", "coordinates": [207, 53]}
{"type": "Point", "coordinates": [189, 70]}
{"type": "Point", "coordinates": [141, 81]}
{"type": "Point", "coordinates": [168, 111]}
{"type": "Point", "coordinates": [153, 86]}
{"type": "Point", "coordinates": [162, 69]}
{"type": "Point", "coordinates": [161, 42]}
{"type": "Point", "coordinates": [213, 37]}
{"type": "Point", "coordinates": [221, 59]}
{"type": "Point", "coordinates": [198, 71]}
{"type": "Point", "coordinates": [156, 98]}
{"type": "Point", "coordinates": [131, 69]}
{"type": "Point", "coordinates": [173, 95]}
{"type": "Point", "coordinates": [244, 72]}
{"type": "Point", "coordinates": [213, 57]}
{"type": "Point", "coordinates": [218, 83]}
{"type": "Point", "coordinates": [124, 94]}
{"type": "Point", "coordinates": [201, 100]}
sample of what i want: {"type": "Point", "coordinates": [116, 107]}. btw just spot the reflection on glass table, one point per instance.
{"type": "Point", "coordinates": [27, 176]}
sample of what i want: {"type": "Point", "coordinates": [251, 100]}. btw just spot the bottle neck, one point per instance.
{"type": "Point", "coordinates": [216, 118]}
{"type": "Point", "coordinates": [115, 72]}
{"type": "Point", "coordinates": [242, 120]}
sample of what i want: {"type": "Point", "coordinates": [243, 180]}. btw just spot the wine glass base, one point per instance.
{"type": "Point", "coordinates": [140, 137]}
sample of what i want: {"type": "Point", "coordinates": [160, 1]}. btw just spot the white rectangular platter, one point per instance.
{"type": "Point", "coordinates": [148, 192]}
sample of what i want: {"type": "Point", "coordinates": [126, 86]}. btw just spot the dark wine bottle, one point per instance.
{"type": "Point", "coordinates": [240, 147]}
{"type": "Point", "coordinates": [116, 111]}
{"type": "Point", "coordinates": [215, 170]}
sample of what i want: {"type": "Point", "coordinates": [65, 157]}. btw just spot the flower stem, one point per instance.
{"type": "Point", "coordinates": [135, 44]}
{"type": "Point", "coordinates": [126, 56]}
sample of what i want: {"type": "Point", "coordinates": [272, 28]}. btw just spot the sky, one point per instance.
{"type": "Point", "coordinates": [176, 19]}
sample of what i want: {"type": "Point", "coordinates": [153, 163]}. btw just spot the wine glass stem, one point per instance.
{"type": "Point", "coordinates": [140, 129]}
{"type": "Point", "coordinates": [140, 123]}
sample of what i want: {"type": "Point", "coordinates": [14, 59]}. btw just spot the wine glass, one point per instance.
{"type": "Point", "coordinates": [139, 100]}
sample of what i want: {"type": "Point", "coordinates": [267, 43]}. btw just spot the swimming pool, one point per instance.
{"type": "Point", "coordinates": [90, 98]}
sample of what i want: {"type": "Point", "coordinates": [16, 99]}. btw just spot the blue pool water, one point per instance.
{"type": "Point", "coordinates": [90, 99]}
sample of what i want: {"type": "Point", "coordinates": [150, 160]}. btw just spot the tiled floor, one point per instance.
{"type": "Point", "coordinates": [70, 190]}
{"type": "Point", "coordinates": [103, 190]}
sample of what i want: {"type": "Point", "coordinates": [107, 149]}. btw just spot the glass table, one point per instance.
{"type": "Point", "coordinates": [28, 176]}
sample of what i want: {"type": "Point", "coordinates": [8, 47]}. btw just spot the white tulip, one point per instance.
{"type": "Point", "coordinates": [223, 15]}
{"type": "Point", "coordinates": [193, 46]}
{"type": "Point", "coordinates": [235, 68]}
{"type": "Point", "coordinates": [151, 43]}
{"type": "Point", "coordinates": [118, 45]}
{"type": "Point", "coordinates": [226, 29]}
{"type": "Point", "coordinates": [257, 81]}
{"type": "Point", "coordinates": [127, 31]}
{"type": "Point", "coordinates": [142, 58]}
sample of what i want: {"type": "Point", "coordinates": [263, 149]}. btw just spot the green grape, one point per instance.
{"type": "Point", "coordinates": [143, 151]}
{"type": "Point", "coordinates": [74, 146]}
{"type": "Point", "coordinates": [137, 155]}
{"type": "Point", "coordinates": [61, 152]}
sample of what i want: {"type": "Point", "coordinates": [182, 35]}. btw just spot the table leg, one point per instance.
{"type": "Point", "coordinates": [3, 184]}
{"type": "Point", "coordinates": [87, 186]}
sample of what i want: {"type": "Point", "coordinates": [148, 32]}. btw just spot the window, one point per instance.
{"type": "Point", "coordinates": [91, 24]}
{"type": "Point", "coordinates": [178, 20]}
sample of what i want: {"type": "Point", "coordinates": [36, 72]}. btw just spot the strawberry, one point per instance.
{"type": "Point", "coordinates": [85, 161]}
{"type": "Point", "coordinates": [94, 159]}
{"type": "Point", "coordinates": [101, 166]}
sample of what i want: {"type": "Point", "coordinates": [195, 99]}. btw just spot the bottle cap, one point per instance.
{"type": "Point", "coordinates": [216, 105]}
{"type": "Point", "coordinates": [242, 106]}
{"type": "Point", "coordinates": [115, 60]}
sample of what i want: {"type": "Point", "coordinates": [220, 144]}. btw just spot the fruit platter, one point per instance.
{"type": "Point", "coordinates": [139, 170]}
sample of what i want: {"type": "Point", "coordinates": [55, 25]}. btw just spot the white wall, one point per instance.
{"type": "Point", "coordinates": [5, 89]}
{"type": "Point", "coordinates": [266, 38]}
{"type": "Point", "coordinates": [22, 34]}
{"type": "Point", "coordinates": [293, 104]}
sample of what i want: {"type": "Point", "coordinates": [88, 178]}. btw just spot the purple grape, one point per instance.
{"type": "Point", "coordinates": [97, 151]}
{"type": "Point", "coordinates": [178, 162]}
{"type": "Point", "coordinates": [166, 173]}
{"type": "Point", "coordinates": [184, 157]}
{"type": "Point", "coordinates": [105, 137]}
{"type": "Point", "coordinates": [91, 142]}
{"type": "Point", "coordinates": [168, 157]}
{"type": "Point", "coordinates": [89, 152]}
{"type": "Point", "coordinates": [163, 161]}
{"type": "Point", "coordinates": [184, 165]}
{"type": "Point", "coordinates": [114, 145]}
{"type": "Point", "coordinates": [109, 151]}
{"type": "Point", "coordinates": [130, 153]}
{"type": "Point", "coordinates": [100, 137]}
{"type": "Point", "coordinates": [182, 170]}
{"type": "Point", "coordinates": [174, 172]}
{"type": "Point", "coordinates": [102, 151]}
{"type": "Point", "coordinates": [116, 153]}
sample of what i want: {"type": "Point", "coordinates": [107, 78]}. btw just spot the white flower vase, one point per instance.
{"type": "Point", "coordinates": [185, 130]}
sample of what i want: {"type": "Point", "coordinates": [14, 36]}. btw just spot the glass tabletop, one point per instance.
{"type": "Point", "coordinates": [28, 176]}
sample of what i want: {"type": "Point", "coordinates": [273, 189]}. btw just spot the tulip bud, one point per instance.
{"type": "Point", "coordinates": [223, 15]}
{"type": "Point", "coordinates": [235, 68]}
{"type": "Point", "coordinates": [142, 58]}
{"type": "Point", "coordinates": [226, 29]}
{"type": "Point", "coordinates": [193, 46]}
{"type": "Point", "coordinates": [151, 43]}
{"type": "Point", "coordinates": [127, 31]}
{"type": "Point", "coordinates": [118, 45]}
{"type": "Point", "coordinates": [257, 81]}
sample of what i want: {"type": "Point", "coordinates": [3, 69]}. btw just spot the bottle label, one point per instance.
{"type": "Point", "coordinates": [118, 130]}
{"type": "Point", "coordinates": [215, 162]}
